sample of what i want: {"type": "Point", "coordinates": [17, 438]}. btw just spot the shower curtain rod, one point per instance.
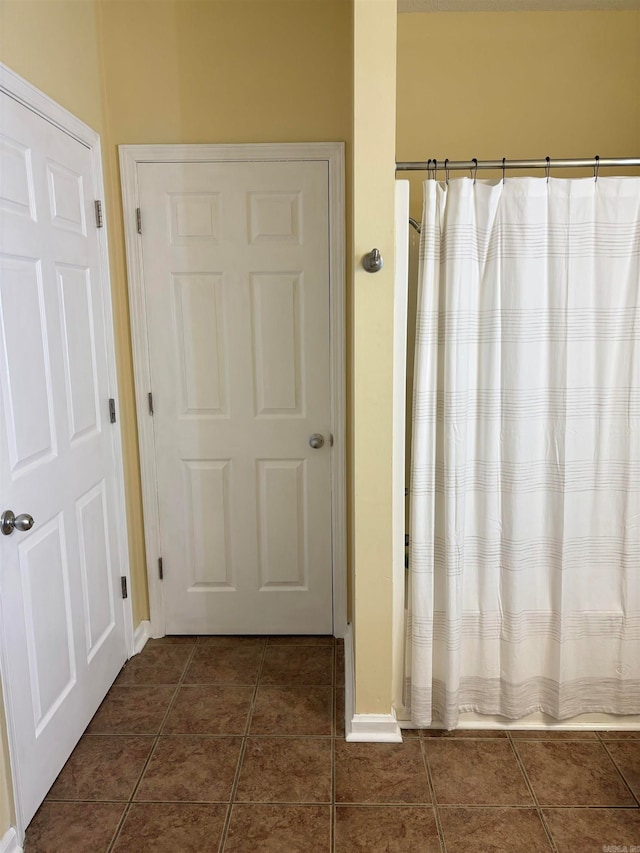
{"type": "Point", "coordinates": [548, 163]}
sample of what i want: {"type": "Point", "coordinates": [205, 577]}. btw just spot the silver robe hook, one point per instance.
{"type": "Point", "coordinates": [372, 262]}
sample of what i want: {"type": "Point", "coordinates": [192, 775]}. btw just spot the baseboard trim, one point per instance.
{"type": "Point", "coordinates": [140, 637]}
{"type": "Point", "coordinates": [364, 728]}
{"type": "Point", "coordinates": [374, 728]}
{"type": "Point", "coordinates": [539, 722]}
{"type": "Point", "coordinates": [9, 842]}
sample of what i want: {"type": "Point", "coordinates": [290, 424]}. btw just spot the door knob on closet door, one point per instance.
{"type": "Point", "coordinates": [316, 440]}
{"type": "Point", "coordinates": [10, 522]}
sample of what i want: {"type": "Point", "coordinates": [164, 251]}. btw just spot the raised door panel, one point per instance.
{"type": "Point", "coordinates": [27, 381]}
{"type": "Point", "coordinates": [95, 567]}
{"type": "Point", "coordinates": [66, 198]}
{"type": "Point", "coordinates": [200, 345]}
{"type": "Point", "coordinates": [193, 218]}
{"type": "Point", "coordinates": [17, 194]}
{"type": "Point", "coordinates": [78, 336]}
{"type": "Point", "coordinates": [207, 522]}
{"type": "Point", "coordinates": [275, 217]}
{"type": "Point", "coordinates": [276, 345]}
{"type": "Point", "coordinates": [282, 523]}
{"type": "Point", "coordinates": [44, 569]}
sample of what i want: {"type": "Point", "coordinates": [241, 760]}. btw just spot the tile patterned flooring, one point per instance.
{"type": "Point", "coordinates": [237, 745]}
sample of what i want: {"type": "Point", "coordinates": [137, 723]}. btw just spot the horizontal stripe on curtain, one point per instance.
{"type": "Point", "coordinates": [525, 475]}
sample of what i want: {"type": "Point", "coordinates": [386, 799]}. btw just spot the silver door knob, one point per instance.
{"type": "Point", "coordinates": [316, 440]}
{"type": "Point", "coordinates": [10, 522]}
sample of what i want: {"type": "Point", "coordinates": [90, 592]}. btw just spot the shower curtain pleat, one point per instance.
{"type": "Point", "coordinates": [524, 589]}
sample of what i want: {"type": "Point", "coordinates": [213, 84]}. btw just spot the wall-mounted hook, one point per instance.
{"type": "Point", "coordinates": [373, 262]}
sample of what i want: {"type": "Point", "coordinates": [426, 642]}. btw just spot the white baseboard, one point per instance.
{"type": "Point", "coordinates": [541, 722]}
{"type": "Point", "coordinates": [367, 728]}
{"type": "Point", "coordinates": [140, 637]}
{"type": "Point", "coordinates": [9, 842]}
{"type": "Point", "coordinates": [374, 728]}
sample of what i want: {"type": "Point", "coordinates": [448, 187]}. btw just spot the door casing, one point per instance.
{"type": "Point", "coordinates": [333, 154]}
{"type": "Point", "coordinates": [33, 99]}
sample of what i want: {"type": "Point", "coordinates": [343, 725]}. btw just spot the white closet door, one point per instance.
{"type": "Point", "coordinates": [63, 626]}
{"type": "Point", "coordinates": [236, 278]}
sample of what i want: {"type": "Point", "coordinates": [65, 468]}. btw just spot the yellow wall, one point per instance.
{"type": "Point", "coordinates": [371, 410]}
{"type": "Point", "coordinates": [54, 45]}
{"type": "Point", "coordinates": [520, 84]}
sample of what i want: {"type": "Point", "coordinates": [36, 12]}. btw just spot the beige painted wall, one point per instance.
{"type": "Point", "coordinates": [54, 45]}
{"type": "Point", "coordinates": [371, 409]}
{"type": "Point", "coordinates": [520, 84]}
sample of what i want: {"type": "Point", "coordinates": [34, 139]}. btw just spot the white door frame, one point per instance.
{"type": "Point", "coordinates": [22, 91]}
{"type": "Point", "coordinates": [333, 154]}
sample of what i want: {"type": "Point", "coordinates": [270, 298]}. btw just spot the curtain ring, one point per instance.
{"type": "Point", "coordinates": [474, 174]}
{"type": "Point", "coordinates": [504, 167]}
{"type": "Point", "coordinates": [596, 169]}
{"type": "Point", "coordinates": [548, 168]}
{"type": "Point", "coordinates": [446, 171]}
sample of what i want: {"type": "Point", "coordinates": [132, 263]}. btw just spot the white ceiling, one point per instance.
{"type": "Point", "coordinates": [514, 5]}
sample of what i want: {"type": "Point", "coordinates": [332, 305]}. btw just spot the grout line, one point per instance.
{"type": "Point", "coordinates": [118, 829]}
{"type": "Point", "coordinates": [282, 803]}
{"type": "Point", "coordinates": [152, 750]}
{"type": "Point", "coordinates": [178, 686]}
{"type": "Point", "coordinates": [161, 726]}
{"type": "Point", "coordinates": [434, 799]}
{"type": "Point", "coordinates": [620, 773]}
{"type": "Point", "coordinates": [529, 785]}
{"type": "Point", "coordinates": [243, 746]}
{"type": "Point", "coordinates": [232, 736]}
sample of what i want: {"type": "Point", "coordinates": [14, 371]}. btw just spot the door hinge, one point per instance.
{"type": "Point", "coordinates": [123, 586]}
{"type": "Point", "coordinates": [112, 410]}
{"type": "Point", "coordinates": [160, 569]}
{"type": "Point", "coordinates": [150, 398]}
{"type": "Point", "coordinates": [98, 204]}
{"type": "Point", "coordinates": [138, 220]}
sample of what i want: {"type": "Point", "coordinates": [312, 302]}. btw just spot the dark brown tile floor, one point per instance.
{"type": "Point", "coordinates": [237, 744]}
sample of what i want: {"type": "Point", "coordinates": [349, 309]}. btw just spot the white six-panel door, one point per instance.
{"type": "Point", "coordinates": [236, 286]}
{"type": "Point", "coordinates": [62, 614]}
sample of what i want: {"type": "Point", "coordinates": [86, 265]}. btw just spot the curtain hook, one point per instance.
{"type": "Point", "coordinates": [504, 167]}
{"type": "Point", "coordinates": [446, 170]}
{"type": "Point", "coordinates": [548, 168]}
{"type": "Point", "coordinates": [435, 169]}
{"type": "Point", "coordinates": [475, 170]}
{"type": "Point", "coordinates": [429, 168]}
{"type": "Point", "coordinates": [596, 169]}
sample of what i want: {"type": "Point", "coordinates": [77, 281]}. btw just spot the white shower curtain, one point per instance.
{"type": "Point", "coordinates": [525, 477]}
